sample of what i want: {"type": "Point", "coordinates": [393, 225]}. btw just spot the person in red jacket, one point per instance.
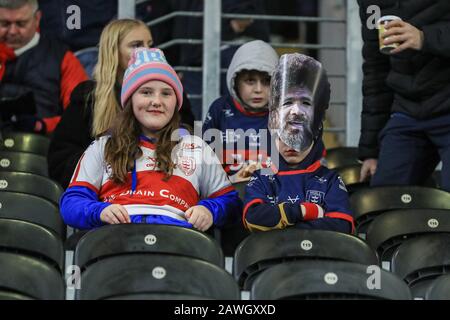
{"type": "Point", "coordinates": [37, 75]}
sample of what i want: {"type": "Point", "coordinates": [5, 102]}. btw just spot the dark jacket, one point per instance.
{"type": "Point", "coordinates": [72, 136]}
{"type": "Point", "coordinates": [416, 83]}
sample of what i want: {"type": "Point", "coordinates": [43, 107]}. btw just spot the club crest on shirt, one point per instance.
{"type": "Point", "coordinates": [315, 196]}
{"type": "Point", "coordinates": [187, 165]}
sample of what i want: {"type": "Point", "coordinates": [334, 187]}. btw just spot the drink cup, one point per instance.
{"type": "Point", "coordinates": [381, 23]}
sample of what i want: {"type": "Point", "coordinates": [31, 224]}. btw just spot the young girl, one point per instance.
{"type": "Point", "coordinates": [95, 104]}
{"type": "Point", "coordinates": [144, 171]}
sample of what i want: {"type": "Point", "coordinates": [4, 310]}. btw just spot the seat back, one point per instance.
{"type": "Point", "coordinates": [369, 203]}
{"type": "Point", "coordinates": [27, 207]}
{"type": "Point", "coordinates": [326, 280]}
{"type": "Point", "coordinates": [142, 274]}
{"type": "Point", "coordinates": [341, 156]}
{"type": "Point", "coordinates": [420, 260]}
{"type": "Point", "coordinates": [30, 277]}
{"type": "Point", "coordinates": [29, 183]}
{"type": "Point", "coordinates": [392, 228]}
{"type": "Point", "coordinates": [25, 142]}
{"type": "Point", "coordinates": [146, 238]}
{"type": "Point", "coordinates": [439, 289]}
{"type": "Point", "coordinates": [23, 162]}
{"type": "Point", "coordinates": [262, 250]}
{"type": "Point", "coordinates": [31, 239]}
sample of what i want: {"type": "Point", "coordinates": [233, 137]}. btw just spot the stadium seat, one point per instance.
{"type": "Point", "coordinates": [30, 277]}
{"type": "Point", "coordinates": [420, 260]}
{"type": "Point", "coordinates": [265, 249]}
{"type": "Point", "coordinates": [23, 162]}
{"type": "Point", "coordinates": [439, 289]}
{"type": "Point", "coordinates": [9, 295]}
{"type": "Point", "coordinates": [392, 228]}
{"type": "Point", "coordinates": [27, 207]}
{"type": "Point", "coordinates": [146, 238]}
{"type": "Point", "coordinates": [25, 142]}
{"type": "Point", "coordinates": [369, 203]}
{"type": "Point", "coordinates": [350, 175]}
{"type": "Point", "coordinates": [30, 184]}
{"type": "Point", "coordinates": [318, 279]}
{"type": "Point", "coordinates": [144, 274]}
{"type": "Point", "coordinates": [341, 156]}
{"type": "Point", "coordinates": [31, 239]}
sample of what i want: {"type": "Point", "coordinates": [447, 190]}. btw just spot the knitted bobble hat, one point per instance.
{"type": "Point", "coordinates": [145, 65]}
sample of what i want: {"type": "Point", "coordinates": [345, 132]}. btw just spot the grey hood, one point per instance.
{"type": "Point", "coordinates": [254, 55]}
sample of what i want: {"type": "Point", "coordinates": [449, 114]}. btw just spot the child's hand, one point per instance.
{"type": "Point", "coordinates": [200, 217]}
{"type": "Point", "coordinates": [115, 214]}
{"type": "Point", "coordinates": [245, 173]}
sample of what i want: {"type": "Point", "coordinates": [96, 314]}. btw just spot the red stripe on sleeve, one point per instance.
{"type": "Point", "coordinates": [247, 206]}
{"type": "Point", "coordinates": [311, 211]}
{"type": "Point", "coordinates": [221, 192]}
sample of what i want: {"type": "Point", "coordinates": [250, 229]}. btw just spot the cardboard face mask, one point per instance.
{"type": "Point", "coordinates": [300, 94]}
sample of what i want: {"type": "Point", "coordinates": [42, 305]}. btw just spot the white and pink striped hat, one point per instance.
{"type": "Point", "coordinates": [145, 65]}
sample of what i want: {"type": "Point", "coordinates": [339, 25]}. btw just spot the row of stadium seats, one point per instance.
{"type": "Point", "coordinates": [145, 261]}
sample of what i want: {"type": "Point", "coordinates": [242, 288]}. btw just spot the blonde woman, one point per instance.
{"type": "Point", "coordinates": [96, 104]}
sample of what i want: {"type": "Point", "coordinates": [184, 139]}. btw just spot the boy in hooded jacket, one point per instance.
{"type": "Point", "coordinates": [236, 123]}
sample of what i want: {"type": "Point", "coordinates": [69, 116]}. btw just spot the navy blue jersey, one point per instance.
{"type": "Point", "coordinates": [275, 201]}
{"type": "Point", "coordinates": [244, 136]}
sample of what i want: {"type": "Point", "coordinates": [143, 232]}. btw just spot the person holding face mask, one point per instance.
{"type": "Point", "coordinates": [95, 104]}
{"type": "Point", "coordinates": [145, 170]}
{"type": "Point", "coordinates": [298, 191]}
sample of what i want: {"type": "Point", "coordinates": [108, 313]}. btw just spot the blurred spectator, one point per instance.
{"type": "Point", "coordinates": [37, 74]}
{"type": "Point", "coordinates": [405, 120]}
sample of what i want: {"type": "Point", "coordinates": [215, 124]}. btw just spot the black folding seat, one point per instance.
{"type": "Point", "coordinates": [11, 295]}
{"type": "Point", "coordinates": [392, 228]}
{"type": "Point", "coordinates": [439, 289]}
{"type": "Point", "coordinates": [341, 156]}
{"type": "Point", "coordinates": [420, 260]}
{"type": "Point", "coordinates": [146, 238]}
{"type": "Point", "coordinates": [31, 184]}
{"type": "Point", "coordinates": [25, 142]}
{"type": "Point", "coordinates": [27, 277]}
{"type": "Point", "coordinates": [154, 276]}
{"type": "Point", "coordinates": [27, 207]}
{"type": "Point", "coordinates": [263, 250]}
{"type": "Point", "coordinates": [318, 279]}
{"type": "Point", "coordinates": [23, 162]}
{"type": "Point", "coordinates": [31, 239]}
{"type": "Point", "coordinates": [350, 175]}
{"type": "Point", "coordinates": [371, 202]}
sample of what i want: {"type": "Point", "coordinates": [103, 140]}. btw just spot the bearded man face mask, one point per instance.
{"type": "Point", "coordinates": [300, 94]}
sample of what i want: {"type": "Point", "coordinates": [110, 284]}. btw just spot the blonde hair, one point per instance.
{"type": "Point", "coordinates": [106, 107]}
